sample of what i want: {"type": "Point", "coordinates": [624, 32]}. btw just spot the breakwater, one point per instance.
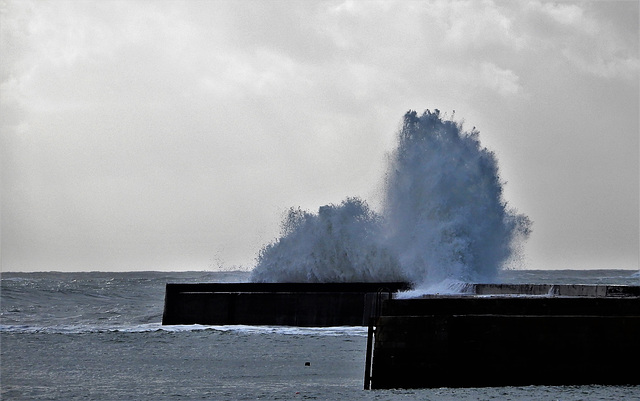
{"type": "Point", "coordinates": [281, 304]}
{"type": "Point", "coordinates": [508, 335]}
{"type": "Point", "coordinates": [486, 335]}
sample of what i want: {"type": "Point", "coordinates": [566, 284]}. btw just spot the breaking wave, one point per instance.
{"type": "Point", "coordinates": [443, 218]}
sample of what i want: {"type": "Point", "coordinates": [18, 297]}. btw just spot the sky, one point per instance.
{"type": "Point", "coordinates": [173, 135]}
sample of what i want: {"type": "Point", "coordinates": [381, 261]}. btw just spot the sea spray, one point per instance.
{"type": "Point", "coordinates": [339, 244]}
{"type": "Point", "coordinates": [444, 210]}
{"type": "Point", "coordinates": [444, 219]}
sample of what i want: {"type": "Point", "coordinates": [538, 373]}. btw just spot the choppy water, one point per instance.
{"type": "Point", "coordinates": [98, 336]}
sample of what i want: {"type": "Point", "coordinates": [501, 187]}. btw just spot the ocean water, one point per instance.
{"type": "Point", "coordinates": [98, 336]}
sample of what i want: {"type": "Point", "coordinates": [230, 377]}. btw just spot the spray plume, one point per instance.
{"type": "Point", "coordinates": [443, 219]}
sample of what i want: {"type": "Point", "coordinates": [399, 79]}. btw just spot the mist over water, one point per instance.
{"type": "Point", "coordinates": [443, 219]}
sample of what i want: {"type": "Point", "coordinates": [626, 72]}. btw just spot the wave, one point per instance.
{"type": "Point", "coordinates": [444, 287]}
{"type": "Point", "coordinates": [158, 327]}
{"type": "Point", "coordinates": [443, 218]}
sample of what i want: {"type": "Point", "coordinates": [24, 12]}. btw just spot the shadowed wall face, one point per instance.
{"type": "Point", "coordinates": [506, 341]}
{"type": "Point", "coordinates": [280, 304]}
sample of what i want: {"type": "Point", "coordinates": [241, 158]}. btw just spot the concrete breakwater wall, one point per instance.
{"type": "Point", "coordinates": [281, 304]}
{"type": "Point", "coordinates": [509, 336]}
{"type": "Point", "coordinates": [487, 335]}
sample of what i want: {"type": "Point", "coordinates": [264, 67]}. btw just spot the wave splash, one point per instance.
{"type": "Point", "coordinates": [443, 218]}
{"type": "Point", "coordinates": [89, 328]}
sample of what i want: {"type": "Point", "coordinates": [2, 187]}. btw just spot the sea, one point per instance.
{"type": "Point", "coordinates": [98, 336]}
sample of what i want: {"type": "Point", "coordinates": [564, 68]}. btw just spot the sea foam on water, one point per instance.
{"type": "Point", "coordinates": [443, 219]}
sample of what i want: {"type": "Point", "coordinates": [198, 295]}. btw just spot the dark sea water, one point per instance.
{"type": "Point", "coordinates": [98, 336]}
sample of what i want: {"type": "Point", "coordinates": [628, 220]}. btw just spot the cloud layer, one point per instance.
{"type": "Point", "coordinates": [172, 135]}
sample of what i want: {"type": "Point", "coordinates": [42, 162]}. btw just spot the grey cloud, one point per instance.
{"type": "Point", "coordinates": [168, 134]}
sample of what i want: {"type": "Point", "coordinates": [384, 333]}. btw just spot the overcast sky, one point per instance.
{"type": "Point", "coordinates": [150, 135]}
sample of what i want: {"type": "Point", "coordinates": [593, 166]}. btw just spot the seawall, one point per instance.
{"type": "Point", "coordinates": [281, 304]}
{"type": "Point", "coordinates": [499, 335]}
{"type": "Point", "coordinates": [488, 335]}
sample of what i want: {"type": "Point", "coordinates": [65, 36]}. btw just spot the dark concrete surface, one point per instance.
{"type": "Point", "coordinates": [282, 304]}
{"type": "Point", "coordinates": [479, 341]}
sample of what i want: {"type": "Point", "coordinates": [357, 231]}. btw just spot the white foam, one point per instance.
{"type": "Point", "coordinates": [154, 327]}
{"type": "Point", "coordinates": [444, 287]}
